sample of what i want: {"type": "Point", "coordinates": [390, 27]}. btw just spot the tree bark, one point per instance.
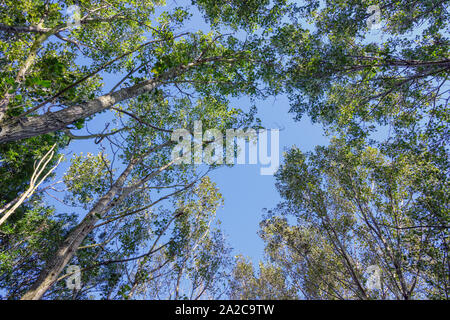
{"type": "Point", "coordinates": [65, 252]}
{"type": "Point", "coordinates": [54, 121]}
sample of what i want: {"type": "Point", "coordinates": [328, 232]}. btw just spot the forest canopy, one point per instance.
{"type": "Point", "coordinates": [92, 92]}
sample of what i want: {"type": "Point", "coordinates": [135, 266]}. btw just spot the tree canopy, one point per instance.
{"type": "Point", "coordinates": [91, 92]}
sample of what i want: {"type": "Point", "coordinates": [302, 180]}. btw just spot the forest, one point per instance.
{"type": "Point", "coordinates": [100, 201]}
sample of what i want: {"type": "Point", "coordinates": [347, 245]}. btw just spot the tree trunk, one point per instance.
{"type": "Point", "coordinates": [65, 252]}
{"type": "Point", "coordinates": [54, 121]}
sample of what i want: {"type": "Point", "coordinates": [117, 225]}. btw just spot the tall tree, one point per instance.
{"type": "Point", "coordinates": [356, 209]}
{"type": "Point", "coordinates": [148, 166]}
{"type": "Point", "coordinates": [385, 95]}
{"type": "Point", "coordinates": [270, 283]}
{"type": "Point", "coordinates": [40, 73]}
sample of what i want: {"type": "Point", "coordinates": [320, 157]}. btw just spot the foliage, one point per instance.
{"type": "Point", "coordinates": [140, 226]}
{"type": "Point", "coordinates": [356, 208]}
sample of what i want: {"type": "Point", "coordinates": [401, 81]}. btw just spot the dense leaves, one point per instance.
{"type": "Point", "coordinates": [114, 79]}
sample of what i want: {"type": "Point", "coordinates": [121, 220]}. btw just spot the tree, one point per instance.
{"type": "Point", "coordinates": [269, 284]}
{"type": "Point", "coordinates": [193, 263]}
{"type": "Point", "coordinates": [36, 179]}
{"type": "Point", "coordinates": [26, 243]}
{"type": "Point", "coordinates": [113, 36]}
{"type": "Point", "coordinates": [156, 254]}
{"type": "Point", "coordinates": [363, 86]}
{"type": "Point", "coordinates": [345, 75]}
{"type": "Point", "coordinates": [356, 208]}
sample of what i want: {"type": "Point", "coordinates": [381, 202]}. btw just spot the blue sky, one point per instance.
{"type": "Point", "coordinates": [247, 192]}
